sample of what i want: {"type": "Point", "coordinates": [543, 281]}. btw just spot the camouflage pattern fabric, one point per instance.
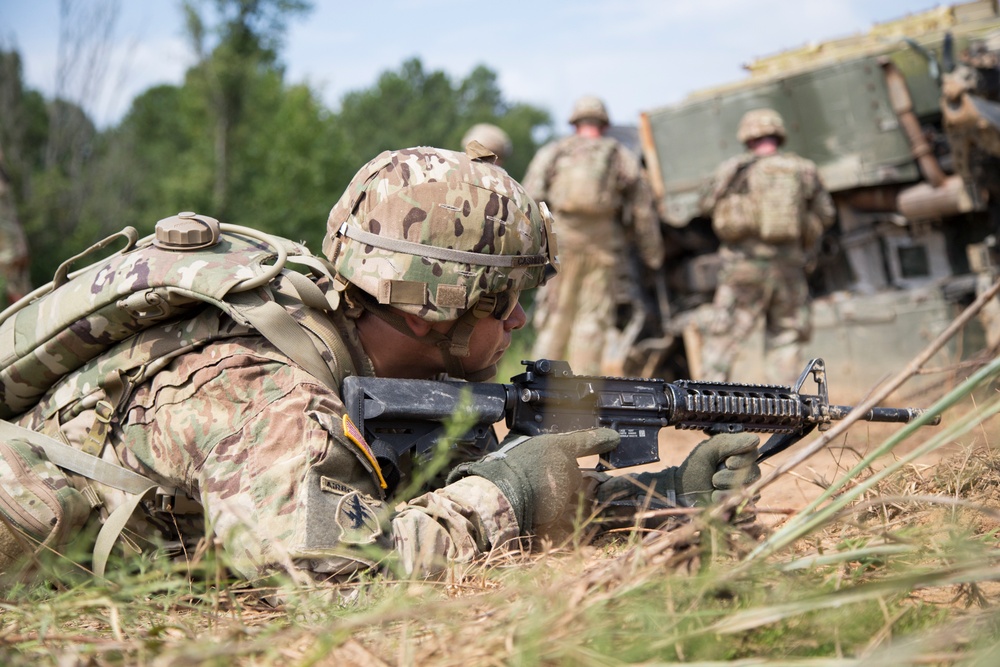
{"type": "Point", "coordinates": [574, 312]}
{"type": "Point", "coordinates": [15, 281]}
{"type": "Point", "coordinates": [55, 335]}
{"type": "Point", "coordinates": [758, 123]}
{"type": "Point", "coordinates": [751, 290]}
{"type": "Point", "coordinates": [761, 279]}
{"type": "Point", "coordinates": [576, 309]}
{"type": "Point", "coordinates": [37, 501]}
{"type": "Point", "coordinates": [264, 449]}
{"type": "Point", "coordinates": [432, 198]}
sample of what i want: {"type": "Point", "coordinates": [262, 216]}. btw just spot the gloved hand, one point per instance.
{"type": "Point", "coordinates": [539, 475]}
{"type": "Point", "coordinates": [716, 466]}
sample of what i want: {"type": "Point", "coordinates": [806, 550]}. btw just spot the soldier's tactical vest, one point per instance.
{"type": "Point", "coordinates": [580, 178]}
{"type": "Point", "coordinates": [779, 194]}
{"type": "Point", "coordinates": [189, 271]}
{"type": "Point", "coordinates": [764, 200]}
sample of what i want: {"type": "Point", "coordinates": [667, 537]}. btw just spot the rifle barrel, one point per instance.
{"type": "Point", "coordinates": [893, 415]}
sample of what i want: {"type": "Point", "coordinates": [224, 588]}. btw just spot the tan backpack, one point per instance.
{"type": "Point", "coordinates": [780, 198]}
{"type": "Point", "coordinates": [95, 327]}
{"type": "Point", "coordinates": [580, 178]}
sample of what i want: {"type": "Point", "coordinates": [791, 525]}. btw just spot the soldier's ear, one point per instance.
{"type": "Point", "coordinates": [420, 327]}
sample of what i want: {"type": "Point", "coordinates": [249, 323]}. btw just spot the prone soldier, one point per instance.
{"type": "Point", "coordinates": [428, 252]}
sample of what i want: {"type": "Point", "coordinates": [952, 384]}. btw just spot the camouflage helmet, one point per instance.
{"type": "Point", "coordinates": [490, 136]}
{"type": "Point", "coordinates": [431, 231]}
{"type": "Point", "coordinates": [589, 108]}
{"type": "Point", "coordinates": [758, 123]}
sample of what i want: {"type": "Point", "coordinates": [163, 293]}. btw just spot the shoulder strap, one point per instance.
{"type": "Point", "coordinates": [738, 177]}
{"type": "Point", "coordinates": [92, 467]}
{"type": "Point", "coordinates": [74, 460]}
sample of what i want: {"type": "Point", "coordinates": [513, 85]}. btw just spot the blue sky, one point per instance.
{"type": "Point", "coordinates": [636, 54]}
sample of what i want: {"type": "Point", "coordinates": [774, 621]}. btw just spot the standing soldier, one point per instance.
{"type": "Point", "coordinates": [14, 280]}
{"type": "Point", "coordinates": [600, 199]}
{"type": "Point", "coordinates": [768, 209]}
{"type": "Point", "coordinates": [493, 138]}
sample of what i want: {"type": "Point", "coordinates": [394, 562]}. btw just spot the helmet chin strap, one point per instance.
{"type": "Point", "coordinates": [453, 345]}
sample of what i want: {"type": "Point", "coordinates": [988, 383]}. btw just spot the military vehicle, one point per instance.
{"type": "Point", "coordinates": [902, 122]}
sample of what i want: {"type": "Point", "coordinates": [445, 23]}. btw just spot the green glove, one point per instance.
{"type": "Point", "coordinates": [540, 475]}
{"type": "Point", "coordinates": [715, 467]}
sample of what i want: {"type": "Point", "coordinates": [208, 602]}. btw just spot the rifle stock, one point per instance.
{"type": "Point", "coordinates": [402, 415]}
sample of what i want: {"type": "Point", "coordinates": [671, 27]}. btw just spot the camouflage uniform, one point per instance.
{"type": "Point", "coordinates": [763, 272]}
{"type": "Point", "coordinates": [576, 310]}
{"type": "Point", "coordinates": [14, 279]}
{"type": "Point", "coordinates": [263, 446]}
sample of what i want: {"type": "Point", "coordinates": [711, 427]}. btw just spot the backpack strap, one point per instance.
{"type": "Point", "coordinates": [738, 178]}
{"type": "Point", "coordinates": [91, 467]}
{"type": "Point", "coordinates": [282, 331]}
{"type": "Point", "coordinates": [74, 460]}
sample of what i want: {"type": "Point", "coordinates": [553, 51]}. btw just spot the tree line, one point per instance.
{"type": "Point", "coordinates": [235, 140]}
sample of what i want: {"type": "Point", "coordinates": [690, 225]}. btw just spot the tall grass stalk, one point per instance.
{"type": "Point", "coordinates": [942, 576]}
{"type": "Point", "coordinates": [876, 397]}
{"type": "Point", "coordinates": [811, 518]}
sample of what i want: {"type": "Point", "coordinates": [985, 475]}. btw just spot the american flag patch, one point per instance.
{"type": "Point", "coordinates": [352, 433]}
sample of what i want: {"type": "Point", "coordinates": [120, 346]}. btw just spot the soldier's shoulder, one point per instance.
{"type": "Point", "coordinates": [729, 166]}
{"type": "Point", "coordinates": [790, 159]}
{"type": "Point", "coordinates": [548, 150]}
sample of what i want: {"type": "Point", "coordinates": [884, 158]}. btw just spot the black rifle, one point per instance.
{"type": "Point", "coordinates": [401, 415]}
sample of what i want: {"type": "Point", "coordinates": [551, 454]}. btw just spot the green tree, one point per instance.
{"type": "Point", "coordinates": [24, 123]}
{"type": "Point", "coordinates": [247, 37]}
{"type": "Point", "coordinates": [413, 107]}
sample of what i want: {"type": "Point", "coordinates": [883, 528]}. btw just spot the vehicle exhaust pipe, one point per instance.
{"type": "Point", "coordinates": [902, 106]}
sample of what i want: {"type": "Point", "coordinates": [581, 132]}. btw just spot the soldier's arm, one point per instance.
{"type": "Point", "coordinates": [283, 483]}
{"type": "Point", "coordinates": [646, 222]}
{"type": "Point", "coordinates": [714, 188]}
{"type": "Point", "coordinates": [455, 524]}
{"type": "Point", "coordinates": [820, 203]}
{"type": "Point", "coordinates": [638, 207]}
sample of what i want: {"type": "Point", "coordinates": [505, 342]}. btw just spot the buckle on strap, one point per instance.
{"type": "Point", "coordinates": [97, 435]}
{"type": "Point", "coordinates": [168, 500]}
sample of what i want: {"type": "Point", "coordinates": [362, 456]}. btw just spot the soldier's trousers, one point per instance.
{"type": "Point", "coordinates": [575, 312]}
{"type": "Point", "coordinates": [749, 291]}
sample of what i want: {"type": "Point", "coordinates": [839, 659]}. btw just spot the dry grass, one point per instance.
{"type": "Point", "coordinates": [906, 577]}
{"type": "Point", "coordinates": [884, 569]}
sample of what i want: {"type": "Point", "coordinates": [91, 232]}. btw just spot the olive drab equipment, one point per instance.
{"type": "Point", "coordinates": [779, 193]}
{"type": "Point", "coordinates": [192, 264]}
{"type": "Point", "coordinates": [734, 218]}
{"type": "Point", "coordinates": [579, 178]}
{"type": "Point", "coordinates": [764, 199]}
